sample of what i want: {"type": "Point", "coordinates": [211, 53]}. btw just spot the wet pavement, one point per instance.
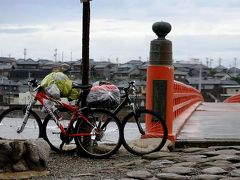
{"type": "Point", "coordinates": [212, 163]}
{"type": "Point", "coordinates": [215, 162]}
{"type": "Point", "coordinates": [193, 163]}
{"type": "Point", "coordinates": [212, 124]}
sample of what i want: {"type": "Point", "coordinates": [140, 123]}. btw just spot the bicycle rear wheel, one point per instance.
{"type": "Point", "coordinates": [147, 140]}
{"type": "Point", "coordinates": [11, 120]}
{"type": "Point", "coordinates": [59, 142]}
{"type": "Point", "coordinates": [100, 137]}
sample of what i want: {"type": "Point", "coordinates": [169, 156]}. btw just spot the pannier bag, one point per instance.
{"type": "Point", "coordinates": [105, 96]}
{"type": "Point", "coordinates": [57, 84]}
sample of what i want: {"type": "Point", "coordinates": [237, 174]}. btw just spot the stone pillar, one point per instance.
{"type": "Point", "coordinates": [160, 77]}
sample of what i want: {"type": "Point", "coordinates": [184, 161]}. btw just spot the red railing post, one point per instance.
{"type": "Point", "coordinates": [186, 99]}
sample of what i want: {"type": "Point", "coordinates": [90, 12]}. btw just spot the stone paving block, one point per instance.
{"type": "Point", "coordinates": [235, 173]}
{"type": "Point", "coordinates": [179, 170]}
{"type": "Point", "coordinates": [172, 176]}
{"type": "Point", "coordinates": [159, 164]}
{"type": "Point", "coordinates": [208, 177]}
{"type": "Point", "coordinates": [214, 171]}
{"type": "Point", "coordinates": [140, 174]}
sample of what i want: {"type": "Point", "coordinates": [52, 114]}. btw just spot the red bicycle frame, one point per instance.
{"type": "Point", "coordinates": [42, 97]}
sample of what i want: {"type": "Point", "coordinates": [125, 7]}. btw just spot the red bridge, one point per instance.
{"type": "Point", "coordinates": [188, 117]}
{"type": "Point", "coordinates": [197, 121]}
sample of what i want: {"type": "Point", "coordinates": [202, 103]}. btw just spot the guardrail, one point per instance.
{"type": "Point", "coordinates": [233, 99]}
{"type": "Point", "coordinates": [184, 96]}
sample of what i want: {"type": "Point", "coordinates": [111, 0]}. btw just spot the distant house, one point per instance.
{"type": "Point", "coordinates": [192, 69]}
{"type": "Point", "coordinates": [134, 63]}
{"type": "Point", "coordinates": [234, 70]}
{"type": "Point", "coordinates": [209, 83]}
{"type": "Point", "coordinates": [180, 76]}
{"type": "Point", "coordinates": [7, 61]}
{"type": "Point", "coordinates": [75, 71]}
{"type": "Point", "coordinates": [182, 67]}
{"type": "Point", "coordinates": [220, 68]}
{"type": "Point", "coordinates": [130, 69]}
{"type": "Point", "coordinates": [126, 71]}
{"type": "Point", "coordinates": [5, 69]}
{"type": "Point", "coordinates": [27, 69]}
{"type": "Point", "coordinates": [6, 65]}
{"type": "Point", "coordinates": [45, 64]}
{"type": "Point", "coordinates": [8, 90]}
{"type": "Point", "coordinates": [195, 70]}
{"type": "Point", "coordinates": [143, 70]}
{"type": "Point", "coordinates": [103, 69]}
{"type": "Point", "coordinates": [222, 76]}
{"type": "Point", "coordinates": [228, 90]}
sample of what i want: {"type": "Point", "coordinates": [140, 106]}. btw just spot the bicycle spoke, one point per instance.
{"type": "Point", "coordinates": [138, 138]}
{"type": "Point", "coordinates": [104, 139]}
{"type": "Point", "coordinates": [52, 133]}
{"type": "Point", "coordinates": [11, 120]}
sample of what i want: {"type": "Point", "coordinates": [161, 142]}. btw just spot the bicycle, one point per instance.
{"type": "Point", "coordinates": [137, 137]}
{"type": "Point", "coordinates": [94, 132]}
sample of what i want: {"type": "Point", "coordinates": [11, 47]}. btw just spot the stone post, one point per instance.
{"type": "Point", "coordinates": [160, 77]}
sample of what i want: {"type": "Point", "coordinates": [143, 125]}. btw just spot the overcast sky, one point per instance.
{"type": "Point", "coordinates": [121, 29]}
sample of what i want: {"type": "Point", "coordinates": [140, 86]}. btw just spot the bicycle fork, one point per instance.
{"type": "Point", "coordinates": [26, 115]}
{"type": "Point", "coordinates": [136, 117]}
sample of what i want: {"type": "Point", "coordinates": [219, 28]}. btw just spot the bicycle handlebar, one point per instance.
{"type": "Point", "coordinates": [131, 86]}
{"type": "Point", "coordinates": [34, 85]}
{"type": "Point", "coordinates": [132, 83]}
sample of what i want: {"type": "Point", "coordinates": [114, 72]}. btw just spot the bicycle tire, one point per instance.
{"type": "Point", "coordinates": [52, 133]}
{"type": "Point", "coordinates": [104, 139]}
{"type": "Point", "coordinates": [12, 119]}
{"type": "Point", "coordinates": [133, 139]}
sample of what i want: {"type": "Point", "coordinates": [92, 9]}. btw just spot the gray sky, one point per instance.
{"type": "Point", "coordinates": [121, 28]}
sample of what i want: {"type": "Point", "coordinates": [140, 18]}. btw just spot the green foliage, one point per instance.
{"type": "Point", "coordinates": [212, 72]}
{"type": "Point", "coordinates": [237, 79]}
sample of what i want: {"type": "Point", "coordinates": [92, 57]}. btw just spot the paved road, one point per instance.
{"type": "Point", "coordinates": [213, 122]}
{"type": "Point", "coordinates": [212, 163]}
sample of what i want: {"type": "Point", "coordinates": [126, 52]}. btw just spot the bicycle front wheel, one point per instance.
{"type": "Point", "coordinates": [140, 139]}
{"type": "Point", "coordinates": [12, 119]}
{"type": "Point", "coordinates": [59, 142]}
{"type": "Point", "coordinates": [101, 136]}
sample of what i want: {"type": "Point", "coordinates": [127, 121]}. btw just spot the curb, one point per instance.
{"type": "Point", "coordinates": [206, 142]}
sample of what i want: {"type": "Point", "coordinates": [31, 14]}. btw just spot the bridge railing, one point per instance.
{"type": "Point", "coordinates": [233, 99]}
{"type": "Point", "coordinates": [184, 96]}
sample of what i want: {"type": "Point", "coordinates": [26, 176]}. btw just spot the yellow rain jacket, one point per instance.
{"type": "Point", "coordinates": [63, 83]}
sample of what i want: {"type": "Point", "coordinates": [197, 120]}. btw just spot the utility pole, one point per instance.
{"type": "Point", "coordinates": [25, 53]}
{"type": "Point", "coordinates": [200, 77]}
{"type": "Point", "coordinates": [235, 66]}
{"type": "Point", "coordinates": [85, 41]}
{"type": "Point", "coordinates": [220, 61]}
{"type": "Point", "coordinates": [55, 55]}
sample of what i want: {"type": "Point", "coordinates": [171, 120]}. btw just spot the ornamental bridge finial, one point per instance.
{"type": "Point", "coordinates": [161, 29]}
